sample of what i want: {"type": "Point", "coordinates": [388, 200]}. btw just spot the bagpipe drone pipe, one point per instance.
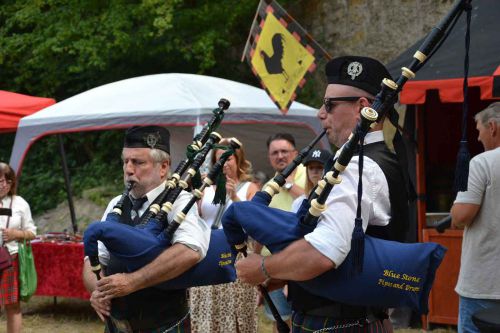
{"type": "Point", "coordinates": [191, 152]}
{"type": "Point", "coordinates": [138, 245]}
{"type": "Point", "coordinates": [376, 272]}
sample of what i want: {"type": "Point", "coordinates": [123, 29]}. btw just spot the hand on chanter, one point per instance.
{"type": "Point", "coordinates": [116, 285]}
{"type": "Point", "coordinates": [249, 269]}
{"type": "Point", "coordinates": [101, 306]}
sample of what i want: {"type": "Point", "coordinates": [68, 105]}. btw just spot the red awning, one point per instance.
{"type": "Point", "coordinates": [15, 106]}
{"type": "Point", "coordinates": [450, 90]}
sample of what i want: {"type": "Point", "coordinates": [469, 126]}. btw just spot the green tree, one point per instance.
{"type": "Point", "coordinates": [59, 48]}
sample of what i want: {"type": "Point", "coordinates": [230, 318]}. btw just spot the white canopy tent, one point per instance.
{"type": "Point", "coordinates": [177, 101]}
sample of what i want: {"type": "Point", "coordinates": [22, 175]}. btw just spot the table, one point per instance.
{"type": "Point", "coordinates": [59, 268]}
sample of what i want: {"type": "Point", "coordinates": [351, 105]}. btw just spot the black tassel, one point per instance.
{"type": "Point", "coordinates": [196, 179]}
{"type": "Point", "coordinates": [220, 190]}
{"type": "Point", "coordinates": [462, 168]}
{"type": "Point", "coordinates": [358, 235]}
{"type": "Point", "coordinates": [191, 153]}
{"type": "Point", "coordinates": [357, 247]}
{"type": "Point", "coordinates": [463, 156]}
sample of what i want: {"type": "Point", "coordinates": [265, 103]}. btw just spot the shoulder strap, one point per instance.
{"type": "Point", "coordinates": [10, 207]}
{"type": "Point", "coordinates": [8, 218]}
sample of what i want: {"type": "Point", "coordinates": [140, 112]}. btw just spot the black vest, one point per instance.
{"type": "Point", "coordinates": [397, 229]}
{"type": "Point", "coordinates": [147, 308]}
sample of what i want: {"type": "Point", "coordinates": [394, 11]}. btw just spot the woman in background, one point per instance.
{"type": "Point", "coordinates": [14, 228]}
{"type": "Point", "coordinates": [230, 307]}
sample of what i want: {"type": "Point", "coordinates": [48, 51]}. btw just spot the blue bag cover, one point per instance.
{"type": "Point", "coordinates": [394, 274]}
{"type": "Point", "coordinates": [138, 246]}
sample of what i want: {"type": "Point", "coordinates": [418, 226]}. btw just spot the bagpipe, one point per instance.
{"type": "Point", "coordinates": [136, 246]}
{"type": "Point", "coordinates": [273, 187]}
{"type": "Point", "coordinates": [376, 272]}
{"type": "Point", "coordinates": [191, 152]}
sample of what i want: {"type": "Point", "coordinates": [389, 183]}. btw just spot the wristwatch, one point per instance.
{"type": "Point", "coordinates": [288, 186]}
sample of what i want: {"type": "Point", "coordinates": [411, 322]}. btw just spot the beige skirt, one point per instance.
{"type": "Point", "coordinates": [229, 307]}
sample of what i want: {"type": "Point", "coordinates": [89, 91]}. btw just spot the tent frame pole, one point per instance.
{"type": "Point", "coordinates": [67, 183]}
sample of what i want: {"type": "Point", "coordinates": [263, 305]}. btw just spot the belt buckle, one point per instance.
{"type": "Point", "coordinates": [122, 325]}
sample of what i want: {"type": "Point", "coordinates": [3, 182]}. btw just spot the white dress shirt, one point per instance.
{"type": "Point", "coordinates": [192, 232]}
{"type": "Point", "coordinates": [332, 236]}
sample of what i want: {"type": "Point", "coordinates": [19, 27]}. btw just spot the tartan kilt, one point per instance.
{"type": "Point", "coordinates": [9, 283]}
{"type": "Point", "coordinates": [302, 323]}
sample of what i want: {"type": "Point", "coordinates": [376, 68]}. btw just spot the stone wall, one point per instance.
{"type": "Point", "coordinates": [381, 29]}
{"type": "Point", "coordinates": [377, 28]}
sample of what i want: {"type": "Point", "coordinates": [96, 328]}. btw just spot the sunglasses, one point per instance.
{"type": "Point", "coordinates": [328, 101]}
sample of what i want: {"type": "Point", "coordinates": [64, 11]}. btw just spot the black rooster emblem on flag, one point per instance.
{"type": "Point", "coordinates": [274, 63]}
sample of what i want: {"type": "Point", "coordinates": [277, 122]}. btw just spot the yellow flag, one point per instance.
{"type": "Point", "coordinates": [280, 61]}
{"type": "Point", "coordinates": [280, 53]}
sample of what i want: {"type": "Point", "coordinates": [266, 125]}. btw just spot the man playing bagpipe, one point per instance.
{"type": "Point", "coordinates": [353, 83]}
{"type": "Point", "coordinates": [130, 299]}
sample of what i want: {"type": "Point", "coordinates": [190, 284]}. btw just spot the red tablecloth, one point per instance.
{"type": "Point", "coordinates": [59, 269]}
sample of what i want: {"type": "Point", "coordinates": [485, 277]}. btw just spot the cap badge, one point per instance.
{"type": "Point", "coordinates": [152, 139]}
{"type": "Point", "coordinates": [316, 154]}
{"type": "Point", "coordinates": [354, 69]}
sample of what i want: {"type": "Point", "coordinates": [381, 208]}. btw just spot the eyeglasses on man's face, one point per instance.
{"type": "Point", "coordinates": [330, 102]}
{"type": "Point", "coordinates": [284, 152]}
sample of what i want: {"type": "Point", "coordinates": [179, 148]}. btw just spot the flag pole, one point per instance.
{"type": "Point", "coordinates": [247, 44]}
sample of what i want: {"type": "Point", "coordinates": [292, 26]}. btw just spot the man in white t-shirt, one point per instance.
{"type": "Point", "coordinates": [477, 210]}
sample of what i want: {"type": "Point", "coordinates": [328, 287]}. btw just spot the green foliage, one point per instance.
{"type": "Point", "coordinates": [103, 194]}
{"type": "Point", "coordinates": [6, 142]}
{"type": "Point", "coordinates": [93, 160]}
{"type": "Point", "coordinates": [59, 48]}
